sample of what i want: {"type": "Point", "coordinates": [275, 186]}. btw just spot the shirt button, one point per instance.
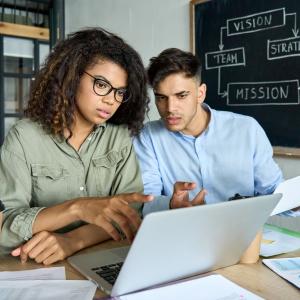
{"type": "Point", "coordinates": [81, 188]}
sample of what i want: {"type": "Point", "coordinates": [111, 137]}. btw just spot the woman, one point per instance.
{"type": "Point", "coordinates": [72, 159]}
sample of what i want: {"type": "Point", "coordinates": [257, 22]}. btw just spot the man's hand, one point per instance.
{"type": "Point", "coordinates": [46, 247]}
{"type": "Point", "coordinates": [103, 211]}
{"type": "Point", "coordinates": [180, 197]}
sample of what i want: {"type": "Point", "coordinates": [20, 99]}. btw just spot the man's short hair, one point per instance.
{"type": "Point", "coordinates": [172, 61]}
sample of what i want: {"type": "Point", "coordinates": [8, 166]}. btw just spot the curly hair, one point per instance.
{"type": "Point", "coordinates": [171, 61]}
{"type": "Point", "coordinates": [52, 100]}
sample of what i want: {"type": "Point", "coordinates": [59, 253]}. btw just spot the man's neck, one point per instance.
{"type": "Point", "coordinates": [199, 123]}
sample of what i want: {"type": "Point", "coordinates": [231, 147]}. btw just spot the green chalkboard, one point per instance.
{"type": "Point", "coordinates": [250, 51]}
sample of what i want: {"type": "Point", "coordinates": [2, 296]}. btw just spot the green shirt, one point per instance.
{"type": "Point", "coordinates": [38, 170]}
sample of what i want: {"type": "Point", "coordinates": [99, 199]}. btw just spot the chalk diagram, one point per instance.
{"type": "Point", "coordinates": [283, 92]}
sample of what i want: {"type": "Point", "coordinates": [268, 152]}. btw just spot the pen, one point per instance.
{"type": "Point", "coordinates": [237, 196]}
{"type": "Point", "coordinates": [2, 207]}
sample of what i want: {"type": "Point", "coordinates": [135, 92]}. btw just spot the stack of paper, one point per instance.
{"type": "Point", "coordinates": [290, 195]}
{"type": "Point", "coordinates": [288, 268]}
{"type": "Point", "coordinates": [213, 287]}
{"type": "Point", "coordinates": [278, 240]}
{"type": "Point", "coordinates": [56, 273]}
{"type": "Point", "coordinates": [44, 284]}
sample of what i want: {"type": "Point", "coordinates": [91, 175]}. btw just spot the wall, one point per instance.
{"type": "Point", "coordinates": [150, 27]}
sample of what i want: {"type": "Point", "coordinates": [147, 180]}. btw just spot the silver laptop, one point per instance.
{"type": "Point", "coordinates": [176, 244]}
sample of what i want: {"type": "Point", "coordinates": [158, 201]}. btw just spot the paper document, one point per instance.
{"type": "Point", "coordinates": [47, 290]}
{"type": "Point", "coordinates": [290, 190]}
{"type": "Point", "coordinates": [278, 240]}
{"type": "Point", "coordinates": [55, 273]}
{"type": "Point", "coordinates": [288, 268]}
{"type": "Point", "coordinates": [213, 287]}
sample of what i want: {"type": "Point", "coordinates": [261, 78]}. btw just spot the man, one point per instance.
{"type": "Point", "coordinates": [210, 155]}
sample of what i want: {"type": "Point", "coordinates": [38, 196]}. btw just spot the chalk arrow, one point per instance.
{"type": "Point", "coordinates": [221, 45]}
{"type": "Point", "coordinates": [295, 31]}
{"type": "Point", "coordinates": [222, 94]}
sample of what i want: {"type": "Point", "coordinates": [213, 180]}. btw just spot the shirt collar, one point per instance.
{"type": "Point", "coordinates": [208, 128]}
{"type": "Point", "coordinates": [211, 122]}
{"type": "Point", "coordinates": [63, 140]}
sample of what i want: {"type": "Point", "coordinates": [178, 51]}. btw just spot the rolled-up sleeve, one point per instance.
{"type": "Point", "coordinates": [15, 193]}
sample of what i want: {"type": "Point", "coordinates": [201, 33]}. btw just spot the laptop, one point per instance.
{"type": "Point", "coordinates": [176, 244]}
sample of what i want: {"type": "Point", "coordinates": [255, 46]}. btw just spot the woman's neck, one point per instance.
{"type": "Point", "coordinates": [79, 134]}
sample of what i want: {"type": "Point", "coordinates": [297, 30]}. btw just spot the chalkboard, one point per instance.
{"type": "Point", "coordinates": [250, 51]}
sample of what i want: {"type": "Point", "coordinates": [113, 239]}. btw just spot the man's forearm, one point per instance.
{"type": "Point", "coordinates": [159, 203]}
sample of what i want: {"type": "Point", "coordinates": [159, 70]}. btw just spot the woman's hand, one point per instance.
{"type": "Point", "coordinates": [46, 247]}
{"type": "Point", "coordinates": [105, 210]}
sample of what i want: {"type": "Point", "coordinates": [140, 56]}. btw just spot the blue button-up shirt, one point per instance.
{"type": "Point", "coordinates": [233, 155]}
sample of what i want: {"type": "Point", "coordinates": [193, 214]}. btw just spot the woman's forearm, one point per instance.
{"type": "Point", "coordinates": [87, 235]}
{"type": "Point", "coordinates": [57, 216]}
{"type": "Point", "coordinates": [100, 211]}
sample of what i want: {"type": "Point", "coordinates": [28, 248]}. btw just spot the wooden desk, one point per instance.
{"type": "Point", "coordinates": [256, 278]}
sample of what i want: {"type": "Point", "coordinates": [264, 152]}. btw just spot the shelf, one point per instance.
{"type": "Point", "coordinates": [34, 32]}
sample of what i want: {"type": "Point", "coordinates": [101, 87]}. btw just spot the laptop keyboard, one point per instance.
{"type": "Point", "coordinates": [109, 272]}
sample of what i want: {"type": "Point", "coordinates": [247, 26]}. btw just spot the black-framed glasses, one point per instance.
{"type": "Point", "coordinates": [102, 88]}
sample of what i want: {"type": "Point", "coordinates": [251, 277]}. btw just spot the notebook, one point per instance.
{"type": "Point", "coordinates": [203, 288]}
{"type": "Point", "coordinates": [180, 243]}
